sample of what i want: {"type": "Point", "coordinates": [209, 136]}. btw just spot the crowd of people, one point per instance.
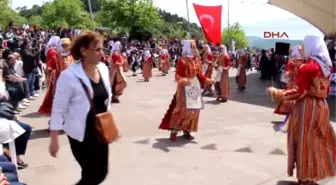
{"type": "Point", "coordinates": [75, 67]}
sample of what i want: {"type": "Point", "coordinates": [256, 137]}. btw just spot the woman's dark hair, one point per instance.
{"type": "Point", "coordinates": [6, 53]}
{"type": "Point", "coordinates": [85, 40]}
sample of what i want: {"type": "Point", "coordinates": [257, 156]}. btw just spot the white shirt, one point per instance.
{"type": "Point", "coordinates": [3, 91]}
{"type": "Point", "coordinates": [19, 67]}
{"type": "Point", "coordinates": [71, 105]}
{"type": "Point", "coordinates": [9, 130]}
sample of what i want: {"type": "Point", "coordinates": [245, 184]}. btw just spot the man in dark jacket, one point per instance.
{"type": "Point", "coordinates": [30, 64]}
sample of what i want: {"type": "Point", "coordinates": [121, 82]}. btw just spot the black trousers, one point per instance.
{"type": "Point", "coordinates": [92, 156]}
{"type": "Point", "coordinates": [22, 141]}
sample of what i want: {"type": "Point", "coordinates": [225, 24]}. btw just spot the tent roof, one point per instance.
{"type": "Point", "coordinates": [320, 13]}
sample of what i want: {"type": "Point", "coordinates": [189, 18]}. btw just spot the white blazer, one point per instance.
{"type": "Point", "coordinates": [71, 106]}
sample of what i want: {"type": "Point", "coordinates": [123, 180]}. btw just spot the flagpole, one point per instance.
{"type": "Point", "coordinates": [92, 19]}
{"type": "Point", "coordinates": [228, 5]}
{"type": "Point", "coordinates": [187, 5]}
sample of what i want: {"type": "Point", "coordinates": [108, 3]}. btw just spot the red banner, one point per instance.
{"type": "Point", "coordinates": [210, 18]}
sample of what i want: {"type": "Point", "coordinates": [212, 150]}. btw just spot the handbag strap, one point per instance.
{"type": "Point", "coordinates": [88, 96]}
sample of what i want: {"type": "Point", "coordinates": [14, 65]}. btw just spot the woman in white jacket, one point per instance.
{"type": "Point", "coordinates": [72, 112]}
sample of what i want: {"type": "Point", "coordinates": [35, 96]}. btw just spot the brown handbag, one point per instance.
{"type": "Point", "coordinates": [105, 125]}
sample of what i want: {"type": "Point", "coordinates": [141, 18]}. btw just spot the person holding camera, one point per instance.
{"type": "Point", "coordinates": [30, 64]}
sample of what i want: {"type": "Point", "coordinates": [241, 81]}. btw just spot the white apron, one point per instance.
{"type": "Point", "coordinates": [193, 95]}
{"type": "Point", "coordinates": [204, 68]}
{"type": "Point", "coordinates": [218, 76]}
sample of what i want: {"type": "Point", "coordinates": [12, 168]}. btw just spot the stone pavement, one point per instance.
{"type": "Point", "coordinates": [236, 143]}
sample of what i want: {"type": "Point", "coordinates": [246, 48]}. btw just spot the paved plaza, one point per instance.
{"type": "Point", "coordinates": [237, 143]}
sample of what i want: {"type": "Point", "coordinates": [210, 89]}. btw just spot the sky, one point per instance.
{"type": "Point", "coordinates": [256, 16]}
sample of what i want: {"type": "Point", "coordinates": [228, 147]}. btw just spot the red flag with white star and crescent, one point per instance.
{"type": "Point", "coordinates": [210, 18]}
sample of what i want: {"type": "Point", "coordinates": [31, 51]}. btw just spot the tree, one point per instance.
{"type": "Point", "coordinates": [139, 33]}
{"type": "Point", "coordinates": [69, 13]}
{"type": "Point", "coordinates": [237, 34]}
{"type": "Point", "coordinates": [95, 5]}
{"type": "Point", "coordinates": [35, 20]}
{"type": "Point", "coordinates": [126, 13]}
{"type": "Point", "coordinates": [7, 15]}
{"type": "Point", "coordinates": [36, 10]}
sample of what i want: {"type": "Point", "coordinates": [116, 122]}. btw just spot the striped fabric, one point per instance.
{"type": "Point", "coordinates": [311, 140]}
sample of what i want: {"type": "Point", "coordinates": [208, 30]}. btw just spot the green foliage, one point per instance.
{"type": "Point", "coordinates": [177, 27]}
{"type": "Point", "coordinates": [36, 10]}
{"type": "Point", "coordinates": [237, 34]}
{"type": "Point", "coordinates": [139, 33]}
{"type": "Point", "coordinates": [120, 15]}
{"type": "Point", "coordinates": [95, 5]}
{"type": "Point", "coordinates": [69, 13]}
{"type": "Point", "coordinates": [126, 13]}
{"type": "Point", "coordinates": [7, 15]}
{"type": "Point", "coordinates": [35, 20]}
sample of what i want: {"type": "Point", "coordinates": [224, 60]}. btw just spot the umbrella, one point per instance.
{"type": "Point", "coordinates": [320, 13]}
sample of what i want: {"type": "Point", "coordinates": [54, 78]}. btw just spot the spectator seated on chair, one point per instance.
{"type": "Point", "coordinates": [16, 86]}
{"type": "Point", "coordinates": [9, 131]}
{"type": "Point", "coordinates": [21, 143]}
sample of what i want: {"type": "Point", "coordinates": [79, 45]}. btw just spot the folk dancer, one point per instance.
{"type": "Point", "coordinates": [147, 65]}
{"type": "Point", "coordinates": [241, 65]}
{"type": "Point", "coordinates": [50, 52]}
{"type": "Point", "coordinates": [164, 61]}
{"type": "Point", "coordinates": [184, 110]}
{"type": "Point", "coordinates": [207, 68]}
{"type": "Point", "coordinates": [222, 80]}
{"type": "Point", "coordinates": [117, 77]}
{"type": "Point", "coordinates": [292, 67]}
{"type": "Point", "coordinates": [311, 138]}
{"type": "Point", "coordinates": [56, 65]}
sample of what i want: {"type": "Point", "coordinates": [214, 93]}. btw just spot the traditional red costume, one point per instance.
{"type": "Point", "coordinates": [56, 63]}
{"type": "Point", "coordinates": [178, 116]}
{"type": "Point", "coordinates": [241, 67]}
{"type": "Point", "coordinates": [117, 78]}
{"type": "Point", "coordinates": [292, 68]}
{"type": "Point", "coordinates": [311, 138]}
{"type": "Point", "coordinates": [222, 76]}
{"type": "Point", "coordinates": [147, 65]}
{"type": "Point", "coordinates": [164, 61]}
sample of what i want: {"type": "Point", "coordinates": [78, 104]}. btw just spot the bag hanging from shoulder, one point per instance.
{"type": "Point", "coordinates": [7, 111]}
{"type": "Point", "coordinates": [106, 128]}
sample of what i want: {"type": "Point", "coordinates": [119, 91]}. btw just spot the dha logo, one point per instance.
{"type": "Point", "coordinates": [277, 35]}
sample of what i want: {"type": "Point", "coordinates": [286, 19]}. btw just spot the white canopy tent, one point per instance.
{"type": "Point", "coordinates": [320, 13]}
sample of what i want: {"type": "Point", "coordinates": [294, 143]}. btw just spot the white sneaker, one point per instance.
{"type": "Point", "coordinates": [36, 95]}
{"type": "Point", "coordinates": [31, 98]}
{"type": "Point", "coordinates": [25, 100]}
{"type": "Point", "coordinates": [24, 103]}
{"type": "Point", "coordinates": [20, 106]}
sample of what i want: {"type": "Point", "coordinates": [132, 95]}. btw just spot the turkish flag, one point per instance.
{"type": "Point", "coordinates": [210, 18]}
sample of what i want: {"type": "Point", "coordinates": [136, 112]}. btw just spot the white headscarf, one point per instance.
{"type": "Point", "coordinates": [223, 49]}
{"type": "Point", "coordinates": [61, 50]}
{"type": "Point", "coordinates": [315, 48]}
{"type": "Point", "coordinates": [147, 54]}
{"type": "Point", "coordinates": [296, 54]}
{"type": "Point", "coordinates": [186, 51]}
{"type": "Point", "coordinates": [52, 43]}
{"type": "Point", "coordinates": [115, 47]}
{"type": "Point", "coordinates": [208, 47]}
